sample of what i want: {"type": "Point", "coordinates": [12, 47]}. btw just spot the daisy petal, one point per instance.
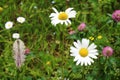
{"type": "Point", "coordinates": [73, 49]}
{"type": "Point", "coordinates": [68, 10]}
{"type": "Point", "coordinates": [72, 14]}
{"type": "Point", "coordinates": [85, 43]}
{"type": "Point", "coordinates": [78, 62]}
{"type": "Point", "coordinates": [92, 46]}
{"type": "Point", "coordinates": [52, 14]}
{"type": "Point", "coordinates": [91, 60]}
{"type": "Point", "coordinates": [76, 58]}
{"type": "Point", "coordinates": [55, 10]}
{"type": "Point", "coordinates": [66, 23]}
{"type": "Point", "coordinates": [89, 63]}
{"type": "Point", "coordinates": [69, 21]}
{"type": "Point", "coordinates": [76, 45]}
{"type": "Point", "coordinates": [93, 56]}
{"type": "Point", "coordinates": [72, 54]}
{"type": "Point", "coordinates": [93, 51]}
{"type": "Point", "coordinates": [82, 62]}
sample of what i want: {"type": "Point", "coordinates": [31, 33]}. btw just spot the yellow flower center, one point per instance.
{"type": "Point", "coordinates": [20, 20]}
{"type": "Point", "coordinates": [9, 25]}
{"type": "Point", "coordinates": [63, 16]}
{"type": "Point", "coordinates": [83, 52]}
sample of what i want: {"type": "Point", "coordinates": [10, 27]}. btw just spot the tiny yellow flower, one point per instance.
{"type": "Point", "coordinates": [1, 9]}
{"type": "Point", "coordinates": [91, 38]}
{"type": "Point", "coordinates": [99, 37]}
{"type": "Point", "coordinates": [48, 63]}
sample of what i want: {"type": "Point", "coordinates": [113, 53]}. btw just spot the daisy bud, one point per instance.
{"type": "Point", "coordinates": [16, 35]}
{"type": "Point", "coordinates": [81, 26]}
{"type": "Point", "coordinates": [27, 51]}
{"type": "Point", "coordinates": [21, 19]}
{"type": "Point", "coordinates": [116, 15]}
{"type": "Point", "coordinates": [8, 25]}
{"type": "Point", "coordinates": [107, 51]}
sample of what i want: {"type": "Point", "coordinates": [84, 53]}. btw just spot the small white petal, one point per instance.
{"type": "Point", "coordinates": [66, 23]}
{"type": "Point", "coordinates": [55, 10]}
{"type": "Point", "coordinates": [73, 50]}
{"type": "Point", "coordinates": [72, 54]}
{"type": "Point", "coordinates": [76, 58]}
{"type": "Point", "coordinates": [52, 14]}
{"type": "Point", "coordinates": [68, 10]}
{"type": "Point", "coordinates": [79, 43]}
{"type": "Point", "coordinates": [92, 56]}
{"type": "Point", "coordinates": [72, 14]}
{"type": "Point", "coordinates": [85, 62]}
{"type": "Point", "coordinates": [76, 45]}
{"type": "Point", "coordinates": [81, 63]}
{"type": "Point", "coordinates": [78, 62]}
{"type": "Point", "coordinates": [69, 22]}
{"type": "Point", "coordinates": [55, 22]}
{"type": "Point", "coordinates": [92, 46]}
{"type": "Point", "coordinates": [91, 60]}
{"type": "Point", "coordinates": [85, 43]}
{"type": "Point", "coordinates": [62, 22]}
{"type": "Point", "coordinates": [89, 63]}
{"type": "Point", "coordinates": [93, 51]}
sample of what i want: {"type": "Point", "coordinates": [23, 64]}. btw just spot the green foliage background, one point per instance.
{"type": "Point", "coordinates": [50, 58]}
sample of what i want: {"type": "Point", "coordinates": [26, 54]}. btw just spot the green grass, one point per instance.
{"type": "Point", "coordinates": [50, 58]}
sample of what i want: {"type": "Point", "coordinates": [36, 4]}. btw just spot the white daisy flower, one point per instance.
{"type": "Point", "coordinates": [16, 35]}
{"type": "Point", "coordinates": [8, 25]}
{"type": "Point", "coordinates": [21, 19]}
{"type": "Point", "coordinates": [83, 52]}
{"type": "Point", "coordinates": [62, 17]}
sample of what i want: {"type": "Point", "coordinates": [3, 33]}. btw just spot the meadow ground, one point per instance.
{"type": "Point", "coordinates": [49, 55]}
